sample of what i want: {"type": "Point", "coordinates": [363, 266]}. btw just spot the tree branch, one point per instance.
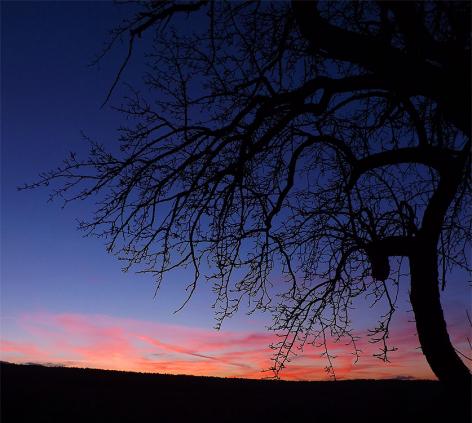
{"type": "Point", "coordinates": [440, 159]}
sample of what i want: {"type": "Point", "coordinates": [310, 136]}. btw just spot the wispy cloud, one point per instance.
{"type": "Point", "coordinates": [125, 344]}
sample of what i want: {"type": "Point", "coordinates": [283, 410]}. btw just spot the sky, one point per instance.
{"type": "Point", "coordinates": [64, 300]}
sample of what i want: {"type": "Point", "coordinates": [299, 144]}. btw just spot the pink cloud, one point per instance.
{"type": "Point", "coordinates": [125, 344]}
{"type": "Point", "coordinates": [21, 348]}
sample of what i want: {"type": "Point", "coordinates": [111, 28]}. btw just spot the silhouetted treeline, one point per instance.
{"type": "Point", "coordinates": [33, 393]}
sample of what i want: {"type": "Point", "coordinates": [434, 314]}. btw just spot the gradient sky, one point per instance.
{"type": "Point", "coordinates": [63, 299]}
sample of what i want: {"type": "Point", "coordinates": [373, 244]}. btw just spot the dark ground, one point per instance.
{"type": "Point", "coordinates": [32, 393]}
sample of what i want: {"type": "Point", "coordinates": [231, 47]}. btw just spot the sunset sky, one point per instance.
{"type": "Point", "coordinates": [64, 300]}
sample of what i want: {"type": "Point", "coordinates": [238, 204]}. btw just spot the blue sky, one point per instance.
{"type": "Point", "coordinates": [50, 95]}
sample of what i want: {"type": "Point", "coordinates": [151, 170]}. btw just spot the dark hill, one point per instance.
{"type": "Point", "coordinates": [33, 393]}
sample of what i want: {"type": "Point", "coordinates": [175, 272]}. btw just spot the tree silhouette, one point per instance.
{"type": "Point", "coordinates": [327, 142]}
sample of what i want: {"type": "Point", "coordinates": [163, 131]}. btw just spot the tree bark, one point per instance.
{"type": "Point", "coordinates": [430, 324]}
{"type": "Point", "coordinates": [424, 295]}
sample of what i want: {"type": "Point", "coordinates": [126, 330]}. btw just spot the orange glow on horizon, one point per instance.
{"type": "Point", "coordinates": [104, 342]}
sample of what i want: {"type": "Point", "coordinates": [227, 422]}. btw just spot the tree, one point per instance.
{"type": "Point", "coordinates": [325, 141]}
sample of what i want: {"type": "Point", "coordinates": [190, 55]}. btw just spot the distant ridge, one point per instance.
{"type": "Point", "coordinates": [268, 379]}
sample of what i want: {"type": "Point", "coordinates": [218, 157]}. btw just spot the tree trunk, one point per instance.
{"type": "Point", "coordinates": [430, 323]}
